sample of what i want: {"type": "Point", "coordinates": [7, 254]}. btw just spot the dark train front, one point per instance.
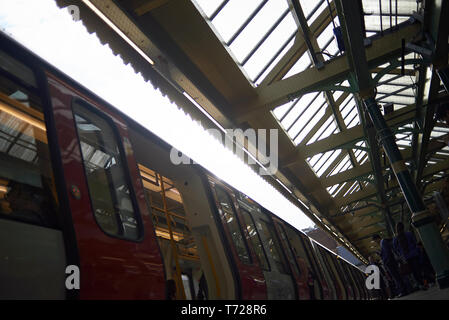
{"type": "Point", "coordinates": [91, 207]}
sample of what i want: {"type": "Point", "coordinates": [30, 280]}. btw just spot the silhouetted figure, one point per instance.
{"type": "Point", "coordinates": [203, 293]}
{"type": "Point", "coordinates": [390, 264]}
{"type": "Point", "coordinates": [426, 266]}
{"type": "Point", "coordinates": [405, 245]}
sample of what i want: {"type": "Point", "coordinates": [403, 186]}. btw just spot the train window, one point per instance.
{"type": "Point", "coordinates": [228, 214]}
{"type": "Point", "coordinates": [289, 252]}
{"type": "Point", "coordinates": [27, 190]}
{"type": "Point", "coordinates": [106, 175]}
{"type": "Point", "coordinates": [17, 69]}
{"type": "Point", "coordinates": [311, 253]}
{"type": "Point", "coordinates": [255, 239]}
{"type": "Point", "coordinates": [298, 247]}
{"type": "Point", "coordinates": [274, 247]}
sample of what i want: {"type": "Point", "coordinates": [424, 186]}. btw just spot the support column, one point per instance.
{"type": "Point", "coordinates": [422, 220]}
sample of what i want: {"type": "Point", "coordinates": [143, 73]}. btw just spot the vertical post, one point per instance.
{"type": "Point", "coordinates": [422, 220]}
{"type": "Point", "coordinates": [180, 286]}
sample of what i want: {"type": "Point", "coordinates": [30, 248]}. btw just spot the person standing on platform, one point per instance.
{"type": "Point", "coordinates": [390, 264]}
{"type": "Point", "coordinates": [405, 245]}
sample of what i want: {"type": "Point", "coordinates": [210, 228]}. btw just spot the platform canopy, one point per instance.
{"type": "Point", "coordinates": [282, 64]}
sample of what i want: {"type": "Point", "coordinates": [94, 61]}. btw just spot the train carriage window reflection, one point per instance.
{"type": "Point", "coordinates": [273, 247]}
{"type": "Point", "coordinates": [27, 190]}
{"type": "Point", "coordinates": [289, 252]}
{"type": "Point", "coordinates": [255, 239]}
{"type": "Point", "coordinates": [228, 214]}
{"type": "Point", "coordinates": [106, 175]}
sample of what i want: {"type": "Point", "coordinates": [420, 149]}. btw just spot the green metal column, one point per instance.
{"type": "Point", "coordinates": [422, 220]}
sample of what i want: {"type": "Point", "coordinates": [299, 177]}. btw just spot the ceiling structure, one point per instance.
{"type": "Point", "coordinates": [276, 64]}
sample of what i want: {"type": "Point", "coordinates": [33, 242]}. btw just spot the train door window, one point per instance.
{"type": "Point", "coordinates": [107, 178]}
{"type": "Point", "coordinates": [255, 239]}
{"type": "Point", "coordinates": [27, 189]}
{"type": "Point", "coordinates": [341, 271]}
{"type": "Point", "coordinates": [273, 246]}
{"type": "Point", "coordinates": [309, 249]}
{"type": "Point", "coordinates": [298, 247]}
{"type": "Point", "coordinates": [230, 217]}
{"type": "Point", "coordinates": [289, 252]}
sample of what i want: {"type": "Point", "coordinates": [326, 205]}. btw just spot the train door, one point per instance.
{"type": "Point", "coordinates": [353, 281]}
{"type": "Point", "coordinates": [325, 254]}
{"type": "Point", "coordinates": [280, 283]}
{"type": "Point", "coordinates": [326, 272]}
{"type": "Point", "coordinates": [357, 282]}
{"type": "Point", "coordinates": [32, 245]}
{"type": "Point", "coordinates": [250, 275]}
{"type": "Point", "coordinates": [174, 234]}
{"type": "Point", "coordinates": [338, 284]}
{"type": "Point", "coordinates": [119, 256]}
{"type": "Point", "coordinates": [278, 280]}
{"type": "Point", "coordinates": [298, 273]}
{"type": "Point", "coordinates": [305, 263]}
{"type": "Point", "coordinates": [319, 272]}
{"type": "Point", "coordinates": [345, 279]}
{"type": "Point", "coordinates": [361, 279]}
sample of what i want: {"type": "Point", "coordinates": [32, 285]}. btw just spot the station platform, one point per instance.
{"type": "Point", "coordinates": [433, 293]}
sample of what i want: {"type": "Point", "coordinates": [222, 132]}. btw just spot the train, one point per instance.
{"type": "Point", "coordinates": [84, 187]}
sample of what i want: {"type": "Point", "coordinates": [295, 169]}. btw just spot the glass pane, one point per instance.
{"type": "Point", "coordinates": [106, 176]}
{"type": "Point", "coordinates": [255, 239]}
{"type": "Point", "coordinates": [274, 247]}
{"type": "Point", "coordinates": [288, 251]}
{"type": "Point", "coordinates": [27, 190]}
{"type": "Point", "coordinates": [228, 214]}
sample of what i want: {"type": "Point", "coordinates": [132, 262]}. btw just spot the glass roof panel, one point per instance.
{"type": "Point", "coordinates": [300, 107]}
{"type": "Point", "coordinates": [320, 9]}
{"type": "Point", "coordinates": [393, 13]}
{"type": "Point", "coordinates": [300, 65]}
{"type": "Point", "coordinates": [269, 48]}
{"type": "Point", "coordinates": [257, 28]}
{"type": "Point", "coordinates": [239, 11]}
{"type": "Point", "coordinates": [209, 6]}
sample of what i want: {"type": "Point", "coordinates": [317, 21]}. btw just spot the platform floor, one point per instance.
{"type": "Point", "coordinates": [433, 293]}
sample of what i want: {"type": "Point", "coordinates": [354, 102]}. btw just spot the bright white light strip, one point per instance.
{"type": "Point", "coordinates": [116, 29]}
{"type": "Point", "coordinates": [68, 46]}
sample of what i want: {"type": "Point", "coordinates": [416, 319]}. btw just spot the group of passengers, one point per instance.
{"type": "Point", "coordinates": [405, 265]}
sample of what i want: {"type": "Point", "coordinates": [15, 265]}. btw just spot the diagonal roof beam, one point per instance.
{"type": "Point", "coordinates": [369, 192]}
{"type": "Point", "coordinates": [299, 48]}
{"type": "Point", "coordinates": [312, 79]}
{"type": "Point", "coordinates": [351, 135]}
